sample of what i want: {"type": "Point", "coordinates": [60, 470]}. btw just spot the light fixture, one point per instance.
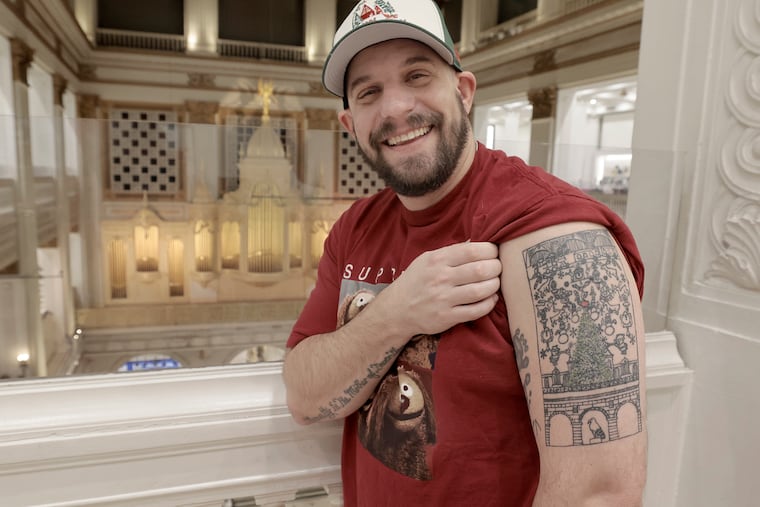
{"type": "Point", "coordinates": [23, 362]}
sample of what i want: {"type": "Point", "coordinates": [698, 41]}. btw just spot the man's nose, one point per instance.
{"type": "Point", "coordinates": [397, 102]}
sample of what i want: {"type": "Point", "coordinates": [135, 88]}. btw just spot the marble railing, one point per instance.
{"type": "Point", "coordinates": [208, 436]}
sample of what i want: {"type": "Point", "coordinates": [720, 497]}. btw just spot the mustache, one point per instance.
{"type": "Point", "coordinates": [413, 120]}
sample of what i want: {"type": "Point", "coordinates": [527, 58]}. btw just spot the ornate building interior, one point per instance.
{"type": "Point", "coordinates": [169, 170]}
{"type": "Point", "coordinates": [192, 164]}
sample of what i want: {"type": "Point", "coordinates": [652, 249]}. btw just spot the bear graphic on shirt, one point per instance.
{"type": "Point", "coordinates": [397, 423]}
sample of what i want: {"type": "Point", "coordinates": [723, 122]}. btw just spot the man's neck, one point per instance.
{"type": "Point", "coordinates": [429, 199]}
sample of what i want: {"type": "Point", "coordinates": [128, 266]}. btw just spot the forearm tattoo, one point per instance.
{"type": "Point", "coordinates": [374, 371]}
{"type": "Point", "coordinates": [586, 340]}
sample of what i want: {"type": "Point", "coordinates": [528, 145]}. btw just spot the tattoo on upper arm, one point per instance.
{"type": "Point", "coordinates": [374, 371]}
{"type": "Point", "coordinates": [586, 339]}
{"type": "Point", "coordinates": [520, 343]}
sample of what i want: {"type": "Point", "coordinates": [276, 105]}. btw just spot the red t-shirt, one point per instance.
{"type": "Point", "coordinates": [449, 424]}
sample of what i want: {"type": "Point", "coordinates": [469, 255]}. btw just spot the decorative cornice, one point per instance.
{"type": "Point", "coordinates": [23, 55]}
{"type": "Point", "coordinates": [200, 80]}
{"type": "Point", "coordinates": [87, 72]}
{"type": "Point", "coordinates": [88, 105]}
{"type": "Point", "coordinates": [556, 33]}
{"type": "Point", "coordinates": [59, 88]}
{"type": "Point", "coordinates": [738, 258]}
{"type": "Point", "coordinates": [201, 112]}
{"type": "Point", "coordinates": [544, 61]}
{"type": "Point", "coordinates": [316, 88]}
{"type": "Point", "coordinates": [322, 119]}
{"type": "Point", "coordinates": [738, 261]}
{"type": "Point", "coordinates": [544, 101]}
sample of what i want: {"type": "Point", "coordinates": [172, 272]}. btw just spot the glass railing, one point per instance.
{"type": "Point", "coordinates": [177, 236]}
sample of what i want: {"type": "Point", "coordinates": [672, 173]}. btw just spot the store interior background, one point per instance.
{"type": "Point", "coordinates": [190, 276]}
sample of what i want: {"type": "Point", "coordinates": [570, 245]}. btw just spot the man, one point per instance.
{"type": "Point", "coordinates": [478, 323]}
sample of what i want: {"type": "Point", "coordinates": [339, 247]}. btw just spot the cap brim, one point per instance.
{"type": "Point", "coordinates": [369, 35]}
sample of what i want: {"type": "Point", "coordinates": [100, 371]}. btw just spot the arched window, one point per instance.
{"type": "Point", "coordinates": [266, 230]}
{"type": "Point", "coordinates": [146, 248]}
{"type": "Point", "coordinates": [176, 258]}
{"type": "Point", "coordinates": [204, 247]}
{"type": "Point", "coordinates": [230, 245]}
{"type": "Point", "coordinates": [117, 268]}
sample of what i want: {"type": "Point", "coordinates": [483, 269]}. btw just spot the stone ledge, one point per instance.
{"type": "Point", "coordinates": [188, 314]}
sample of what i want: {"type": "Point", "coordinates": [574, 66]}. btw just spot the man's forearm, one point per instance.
{"type": "Point", "coordinates": [329, 376]}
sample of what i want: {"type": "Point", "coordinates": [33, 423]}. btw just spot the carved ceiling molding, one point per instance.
{"type": "Point", "coordinates": [87, 72]}
{"type": "Point", "coordinates": [545, 61]}
{"type": "Point", "coordinates": [88, 105]}
{"type": "Point", "coordinates": [200, 80]}
{"type": "Point", "coordinates": [544, 101]}
{"type": "Point", "coordinates": [739, 163]}
{"type": "Point", "coordinates": [738, 261]}
{"type": "Point", "coordinates": [59, 88]}
{"type": "Point", "coordinates": [322, 119]}
{"type": "Point", "coordinates": [736, 224]}
{"type": "Point", "coordinates": [201, 112]}
{"type": "Point", "coordinates": [316, 88]}
{"type": "Point", "coordinates": [22, 55]}
{"type": "Point", "coordinates": [560, 33]}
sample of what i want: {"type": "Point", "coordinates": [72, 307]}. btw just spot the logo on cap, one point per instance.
{"type": "Point", "coordinates": [363, 13]}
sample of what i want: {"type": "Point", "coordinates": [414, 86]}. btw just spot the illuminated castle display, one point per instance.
{"type": "Point", "coordinates": [261, 234]}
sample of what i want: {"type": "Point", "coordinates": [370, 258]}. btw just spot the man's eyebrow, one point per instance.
{"type": "Point", "coordinates": [409, 61]}
{"type": "Point", "coordinates": [356, 82]}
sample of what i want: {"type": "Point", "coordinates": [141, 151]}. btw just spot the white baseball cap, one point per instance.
{"type": "Point", "coordinates": [374, 21]}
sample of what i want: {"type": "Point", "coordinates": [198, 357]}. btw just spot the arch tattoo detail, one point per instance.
{"type": "Point", "coordinates": [586, 342]}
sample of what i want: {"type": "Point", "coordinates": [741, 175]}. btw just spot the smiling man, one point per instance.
{"type": "Point", "coordinates": [477, 324]}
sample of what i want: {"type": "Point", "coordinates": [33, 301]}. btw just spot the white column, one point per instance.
{"type": "Point", "coordinates": [201, 25]}
{"type": "Point", "coordinates": [64, 220]}
{"type": "Point", "coordinates": [91, 132]}
{"type": "Point", "coordinates": [544, 102]}
{"type": "Point", "coordinates": [320, 28]}
{"type": "Point", "coordinates": [27, 218]}
{"type": "Point", "coordinates": [86, 14]}
{"type": "Point", "coordinates": [548, 9]}
{"type": "Point", "coordinates": [476, 17]}
{"type": "Point", "coordinates": [470, 27]}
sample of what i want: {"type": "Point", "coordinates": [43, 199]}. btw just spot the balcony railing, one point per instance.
{"type": "Point", "coordinates": [260, 51]}
{"type": "Point", "coordinates": [140, 40]}
{"type": "Point", "coordinates": [148, 41]}
{"type": "Point", "coordinates": [206, 436]}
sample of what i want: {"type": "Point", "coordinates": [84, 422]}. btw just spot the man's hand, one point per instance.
{"type": "Point", "coordinates": [444, 287]}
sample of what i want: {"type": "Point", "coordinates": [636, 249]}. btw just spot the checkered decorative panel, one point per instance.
{"type": "Point", "coordinates": [143, 152]}
{"type": "Point", "coordinates": [355, 178]}
{"type": "Point", "coordinates": [238, 131]}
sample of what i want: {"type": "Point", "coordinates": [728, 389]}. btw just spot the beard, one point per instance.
{"type": "Point", "coordinates": [420, 174]}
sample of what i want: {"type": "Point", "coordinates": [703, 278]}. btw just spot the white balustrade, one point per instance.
{"type": "Point", "coordinates": [203, 436]}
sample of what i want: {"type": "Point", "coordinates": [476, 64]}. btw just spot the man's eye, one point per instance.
{"type": "Point", "coordinates": [417, 77]}
{"type": "Point", "coordinates": [366, 93]}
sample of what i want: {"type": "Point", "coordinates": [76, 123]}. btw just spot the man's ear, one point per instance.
{"type": "Point", "coordinates": [466, 85]}
{"type": "Point", "coordinates": [347, 120]}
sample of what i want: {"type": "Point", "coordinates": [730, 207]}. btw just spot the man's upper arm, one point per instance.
{"type": "Point", "coordinates": [578, 335]}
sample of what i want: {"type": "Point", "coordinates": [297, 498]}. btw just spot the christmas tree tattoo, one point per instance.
{"type": "Point", "coordinates": [586, 339]}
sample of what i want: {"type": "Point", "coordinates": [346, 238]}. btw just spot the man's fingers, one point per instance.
{"type": "Point", "coordinates": [463, 253]}
{"type": "Point", "coordinates": [474, 311]}
{"type": "Point", "coordinates": [474, 292]}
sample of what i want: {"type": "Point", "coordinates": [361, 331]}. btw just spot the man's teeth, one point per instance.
{"type": "Point", "coordinates": [393, 141]}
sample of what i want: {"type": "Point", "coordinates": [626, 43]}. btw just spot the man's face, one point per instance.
{"type": "Point", "coordinates": [407, 114]}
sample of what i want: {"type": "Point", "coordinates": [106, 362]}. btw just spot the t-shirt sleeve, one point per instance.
{"type": "Point", "coordinates": [502, 223]}
{"type": "Point", "coordinates": [319, 315]}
